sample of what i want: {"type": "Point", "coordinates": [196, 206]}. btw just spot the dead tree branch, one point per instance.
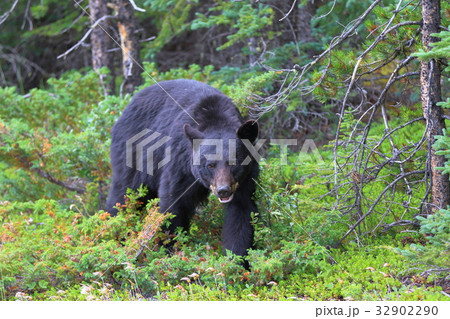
{"type": "Point", "coordinates": [288, 85]}
{"type": "Point", "coordinates": [135, 7]}
{"type": "Point", "coordinates": [364, 160]}
{"type": "Point", "coordinates": [83, 39]}
{"type": "Point", "coordinates": [289, 12]}
{"type": "Point", "coordinates": [371, 209]}
{"type": "Point", "coordinates": [5, 16]}
{"type": "Point", "coordinates": [72, 186]}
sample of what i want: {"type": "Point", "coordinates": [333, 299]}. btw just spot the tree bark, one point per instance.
{"type": "Point", "coordinates": [430, 82]}
{"type": "Point", "coordinates": [297, 17]}
{"type": "Point", "coordinates": [101, 42]}
{"type": "Point", "coordinates": [303, 18]}
{"type": "Point", "coordinates": [131, 63]}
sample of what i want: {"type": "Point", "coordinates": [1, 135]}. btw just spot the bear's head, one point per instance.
{"type": "Point", "coordinates": [221, 159]}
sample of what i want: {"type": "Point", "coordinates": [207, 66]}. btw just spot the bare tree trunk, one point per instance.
{"type": "Point", "coordinates": [430, 77]}
{"type": "Point", "coordinates": [303, 20]}
{"type": "Point", "coordinates": [131, 63]}
{"type": "Point", "coordinates": [101, 42]}
{"type": "Point", "coordinates": [252, 45]}
{"type": "Point", "coordinates": [296, 16]}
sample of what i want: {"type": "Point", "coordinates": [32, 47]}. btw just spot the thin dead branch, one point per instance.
{"type": "Point", "coordinates": [288, 85]}
{"type": "Point", "coordinates": [5, 16]}
{"type": "Point", "coordinates": [364, 160]}
{"type": "Point", "coordinates": [289, 12]}
{"type": "Point", "coordinates": [377, 200]}
{"type": "Point", "coordinates": [83, 39]}
{"type": "Point", "coordinates": [135, 7]}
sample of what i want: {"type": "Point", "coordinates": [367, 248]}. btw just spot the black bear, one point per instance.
{"type": "Point", "coordinates": [181, 139]}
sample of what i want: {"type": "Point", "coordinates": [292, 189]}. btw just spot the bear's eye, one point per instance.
{"type": "Point", "coordinates": [211, 165]}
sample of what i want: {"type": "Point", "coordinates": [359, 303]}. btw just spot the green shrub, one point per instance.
{"type": "Point", "coordinates": [434, 255]}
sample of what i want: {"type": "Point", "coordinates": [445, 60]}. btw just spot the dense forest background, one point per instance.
{"type": "Point", "coordinates": [354, 209]}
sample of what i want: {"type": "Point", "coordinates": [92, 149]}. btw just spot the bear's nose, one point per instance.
{"type": "Point", "coordinates": [224, 191]}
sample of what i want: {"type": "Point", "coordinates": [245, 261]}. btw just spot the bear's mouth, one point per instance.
{"type": "Point", "coordinates": [225, 200]}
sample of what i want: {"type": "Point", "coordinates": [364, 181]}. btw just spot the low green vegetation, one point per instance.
{"type": "Point", "coordinates": [52, 251]}
{"type": "Point", "coordinates": [58, 245]}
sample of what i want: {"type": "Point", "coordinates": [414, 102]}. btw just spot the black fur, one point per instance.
{"type": "Point", "coordinates": [214, 117]}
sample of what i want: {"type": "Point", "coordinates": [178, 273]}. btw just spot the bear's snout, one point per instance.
{"type": "Point", "coordinates": [223, 185]}
{"type": "Point", "coordinates": [224, 191]}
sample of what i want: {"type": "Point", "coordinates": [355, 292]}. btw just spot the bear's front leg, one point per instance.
{"type": "Point", "coordinates": [181, 209]}
{"type": "Point", "coordinates": [179, 197]}
{"type": "Point", "coordinates": [237, 234]}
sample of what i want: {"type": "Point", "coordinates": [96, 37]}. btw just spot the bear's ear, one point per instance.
{"type": "Point", "coordinates": [249, 131]}
{"type": "Point", "coordinates": [192, 133]}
